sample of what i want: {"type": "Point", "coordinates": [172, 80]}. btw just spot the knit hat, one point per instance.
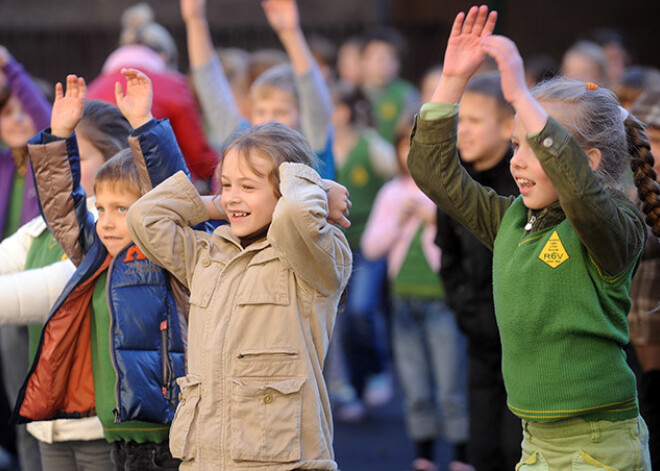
{"type": "Point", "coordinates": [647, 107]}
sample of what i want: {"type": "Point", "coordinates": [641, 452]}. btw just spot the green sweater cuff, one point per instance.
{"type": "Point", "coordinates": [432, 111]}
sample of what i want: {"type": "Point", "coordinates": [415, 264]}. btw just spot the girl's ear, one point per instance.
{"type": "Point", "coordinates": [595, 157]}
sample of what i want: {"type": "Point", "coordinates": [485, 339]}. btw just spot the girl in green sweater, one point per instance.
{"type": "Point", "coordinates": [564, 252]}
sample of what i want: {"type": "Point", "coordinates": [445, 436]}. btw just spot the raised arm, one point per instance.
{"type": "Point", "coordinates": [215, 95]}
{"type": "Point", "coordinates": [315, 103]}
{"type": "Point", "coordinates": [21, 85]}
{"type": "Point", "coordinates": [464, 54]}
{"type": "Point", "coordinates": [55, 163]}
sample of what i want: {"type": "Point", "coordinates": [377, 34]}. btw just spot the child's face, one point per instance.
{"type": "Point", "coordinates": [112, 203]}
{"type": "Point", "coordinates": [275, 105]}
{"type": "Point", "coordinates": [580, 67]}
{"type": "Point", "coordinates": [535, 187]}
{"type": "Point", "coordinates": [484, 132]}
{"type": "Point", "coordinates": [16, 126]}
{"type": "Point", "coordinates": [348, 63]}
{"type": "Point", "coordinates": [91, 160]}
{"type": "Point", "coordinates": [380, 64]}
{"type": "Point", "coordinates": [248, 198]}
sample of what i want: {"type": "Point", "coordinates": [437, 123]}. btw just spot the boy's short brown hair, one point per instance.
{"type": "Point", "coordinates": [490, 84]}
{"type": "Point", "coordinates": [120, 173]}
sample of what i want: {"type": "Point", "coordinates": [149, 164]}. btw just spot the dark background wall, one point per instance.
{"type": "Point", "coordinates": [56, 37]}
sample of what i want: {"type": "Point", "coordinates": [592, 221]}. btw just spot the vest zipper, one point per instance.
{"type": "Point", "coordinates": [113, 360]}
{"type": "Point", "coordinates": [165, 364]}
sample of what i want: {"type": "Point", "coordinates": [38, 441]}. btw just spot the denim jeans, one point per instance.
{"type": "Point", "coordinates": [131, 456]}
{"type": "Point", "coordinates": [363, 326]}
{"type": "Point", "coordinates": [429, 353]}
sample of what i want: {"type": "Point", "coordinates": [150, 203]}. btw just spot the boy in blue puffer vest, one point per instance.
{"type": "Point", "coordinates": [114, 341]}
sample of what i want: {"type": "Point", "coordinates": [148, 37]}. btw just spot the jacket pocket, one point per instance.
{"type": "Point", "coordinates": [183, 441]}
{"type": "Point", "coordinates": [265, 419]}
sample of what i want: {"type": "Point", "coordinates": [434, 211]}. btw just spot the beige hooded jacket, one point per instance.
{"type": "Point", "coordinates": [260, 323]}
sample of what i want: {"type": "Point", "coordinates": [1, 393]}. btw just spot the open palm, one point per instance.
{"type": "Point", "coordinates": [464, 54]}
{"type": "Point", "coordinates": [68, 106]}
{"type": "Point", "coordinates": [135, 103]}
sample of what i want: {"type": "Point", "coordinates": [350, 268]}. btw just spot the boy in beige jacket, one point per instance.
{"type": "Point", "coordinates": [264, 297]}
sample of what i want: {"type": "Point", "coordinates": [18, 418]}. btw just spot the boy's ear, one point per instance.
{"type": "Point", "coordinates": [595, 157]}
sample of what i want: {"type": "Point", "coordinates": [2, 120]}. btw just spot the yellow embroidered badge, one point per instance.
{"type": "Point", "coordinates": [554, 253]}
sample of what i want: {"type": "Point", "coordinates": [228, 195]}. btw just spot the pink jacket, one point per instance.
{"type": "Point", "coordinates": [384, 235]}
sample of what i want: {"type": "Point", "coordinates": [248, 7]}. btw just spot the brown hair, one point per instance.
{"type": "Point", "coordinates": [595, 120]}
{"type": "Point", "coordinates": [120, 173]}
{"type": "Point", "coordinates": [271, 140]}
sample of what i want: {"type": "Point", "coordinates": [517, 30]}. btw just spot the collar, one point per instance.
{"type": "Point", "coordinates": [539, 219]}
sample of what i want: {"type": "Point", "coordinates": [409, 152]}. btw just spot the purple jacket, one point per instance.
{"type": "Point", "coordinates": [36, 105]}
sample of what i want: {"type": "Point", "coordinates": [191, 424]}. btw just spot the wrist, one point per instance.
{"type": "Point", "coordinates": [139, 121]}
{"type": "Point", "coordinates": [287, 36]}
{"type": "Point", "coordinates": [61, 132]}
{"type": "Point", "coordinates": [450, 89]}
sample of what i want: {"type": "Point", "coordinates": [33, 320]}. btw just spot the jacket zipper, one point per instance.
{"type": "Point", "coordinates": [111, 345]}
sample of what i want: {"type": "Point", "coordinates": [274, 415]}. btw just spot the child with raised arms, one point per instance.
{"type": "Point", "coordinates": [114, 341]}
{"type": "Point", "coordinates": [564, 252]}
{"type": "Point", "coordinates": [264, 292]}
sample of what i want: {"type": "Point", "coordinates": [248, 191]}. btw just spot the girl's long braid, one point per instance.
{"type": "Point", "coordinates": [645, 175]}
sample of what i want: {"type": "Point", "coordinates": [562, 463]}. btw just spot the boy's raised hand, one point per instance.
{"type": "Point", "coordinates": [135, 104]}
{"type": "Point", "coordinates": [282, 15]}
{"type": "Point", "coordinates": [68, 106]}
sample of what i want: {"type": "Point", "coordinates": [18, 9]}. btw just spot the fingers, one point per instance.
{"type": "Point", "coordinates": [468, 24]}
{"type": "Point", "coordinates": [119, 92]}
{"type": "Point", "coordinates": [458, 25]}
{"type": "Point", "coordinates": [343, 222]}
{"type": "Point", "coordinates": [59, 94]}
{"type": "Point", "coordinates": [489, 27]}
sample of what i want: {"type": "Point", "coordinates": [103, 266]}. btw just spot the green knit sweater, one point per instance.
{"type": "Point", "coordinates": [554, 305]}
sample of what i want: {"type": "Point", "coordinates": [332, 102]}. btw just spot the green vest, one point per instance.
{"type": "Point", "coordinates": [363, 182]}
{"type": "Point", "coordinates": [105, 377]}
{"type": "Point", "coordinates": [388, 108]}
{"type": "Point", "coordinates": [416, 278]}
{"type": "Point", "coordinates": [562, 324]}
{"type": "Point", "coordinates": [44, 251]}
{"type": "Point", "coordinates": [15, 206]}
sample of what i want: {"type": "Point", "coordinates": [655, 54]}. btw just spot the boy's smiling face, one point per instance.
{"type": "Point", "coordinates": [248, 196]}
{"type": "Point", "coordinates": [112, 203]}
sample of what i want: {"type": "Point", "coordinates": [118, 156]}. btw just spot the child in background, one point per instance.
{"type": "Point", "coordinates": [113, 343]}
{"type": "Point", "coordinates": [264, 295]}
{"type": "Point", "coordinates": [485, 125]}
{"type": "Point", "coordinates": [365, 161]}
{"type": "Point", "coordinates": [23, 110]}
{"type": "Point", "coordinates": [429, 350]}
{"type": "Point", "coordinates": [393, 100]}
{"type": "Point", "coordinates": [586, 61]}
{"type": "Point", "coordinates": [644, 317]}
{"type": "Point", "coordinates": [295, 95]}
{"type": "Point", "coordinates": [34, 272]}
{"type": "Point", "coordinates": [564, 251]}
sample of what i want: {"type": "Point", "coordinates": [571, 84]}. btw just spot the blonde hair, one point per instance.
{"type": "Point", "coordinates": [273, 141]}
{"type": "Point", "coordinates": [595, 119]}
